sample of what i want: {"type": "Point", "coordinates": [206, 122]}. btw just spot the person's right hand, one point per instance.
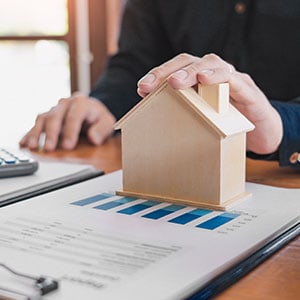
{"type": "Point", "coordinates": [63, 124]}
{"type": "Point", "coordinates": [186, 70]}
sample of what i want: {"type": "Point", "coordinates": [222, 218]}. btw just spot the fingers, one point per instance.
{"type": "Point", "coordinates": [53, 123]}
{"type": "Point", "coordinates": [207, 70]}
{"type": "Point", "coordinates": [63, 124]}
{"type": "Point", "coordinates": [73, 120]}
{"type": "Point", "coordinates": [50, 123]}
{"type": "Point", "coordinates": [185, 71]}
{"type": "Point", "coordinates": [97, 118]}
{"type": "Point", "coordinates": [154, 77]}
{"type": "Point", "coordinates": [102, 128]}
{"type": "Point", "coordinates": [31, 139]}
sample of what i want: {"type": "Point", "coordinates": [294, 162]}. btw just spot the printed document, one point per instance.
{"type": "Point", "coordinates": [102, 246]}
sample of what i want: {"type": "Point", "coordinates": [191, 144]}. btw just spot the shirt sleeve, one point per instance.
{"type": "Point", "coordinates": [142, 45]}
{"type": "Point", "coordinates": [289, 147]}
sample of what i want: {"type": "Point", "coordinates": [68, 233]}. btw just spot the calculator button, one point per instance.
{"type": "Point", "coordinates": [9, 160]}
{"type": "Point", "coordinates": [6, 157]}
{"type": "Point", "coordinates": [16, 163]}
{"type": "Point", "coordinates": [21, 157]}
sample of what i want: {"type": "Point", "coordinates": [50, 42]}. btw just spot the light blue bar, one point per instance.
{"type": "Point", "coordinates": [173, 207]}
{"type": "Point", "coordinates": [157, 214]}
{"type": "Point", "coordinates": [230, 215]}
{"type": "Point", "coordinates": [116, 203]}
{"type": "Point", "coordinates": [93, 199]}
{"type": "Point", "coordinates": [200, 212]}
{"type": "Point", "coordinates": [217, 221]}
{"type": "Point", "coordinates": [138, 207]}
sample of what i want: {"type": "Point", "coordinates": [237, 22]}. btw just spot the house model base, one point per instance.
{"type": "Point", "coordinates": [224, 206]}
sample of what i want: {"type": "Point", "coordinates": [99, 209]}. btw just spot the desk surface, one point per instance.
{"type": "Point", "coordinates": [276, 278]}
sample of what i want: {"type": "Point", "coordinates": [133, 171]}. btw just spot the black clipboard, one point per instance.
{"type": "Point", "coordinates": [232, 275]}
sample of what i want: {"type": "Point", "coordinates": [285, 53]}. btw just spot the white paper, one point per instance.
{"type": "Point", "coordinates": [104, 254]}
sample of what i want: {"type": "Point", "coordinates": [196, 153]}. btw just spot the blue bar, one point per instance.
{"type": "Point", "coordinates": [138, 207]}
{"type": "Point", "coordinates": [93, 199]}
{"type": "Point", "coordinates": [116, 203]}
{"type": "Point", "coordinates": [190, 216]}
{"type": "Point", "coordinates": [217, 221]}
{"type": "Point", "coordinates": [157, 214]}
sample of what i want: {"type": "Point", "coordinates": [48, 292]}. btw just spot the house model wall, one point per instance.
{"type": "Point", "coordinates": [185, 146]}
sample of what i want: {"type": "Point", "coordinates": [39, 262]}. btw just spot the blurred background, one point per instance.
{"type": "Point", "coordinates": [49, 49]}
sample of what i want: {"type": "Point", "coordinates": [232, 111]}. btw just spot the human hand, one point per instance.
{"type": "Point", "coordinates": [185, 70]}
{"type": "Point", "coordinates": [64, 122]}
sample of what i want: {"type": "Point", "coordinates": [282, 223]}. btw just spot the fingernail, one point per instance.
{"type": "Point", "coordinates": [180, 75]}
{"type": "Point", "coordinates": [147, 79]}
{"type": "Point", "coordinates": [207, 72]}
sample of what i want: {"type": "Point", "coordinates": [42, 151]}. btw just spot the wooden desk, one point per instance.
{"type": "Point", "coordinates": [276, 278]}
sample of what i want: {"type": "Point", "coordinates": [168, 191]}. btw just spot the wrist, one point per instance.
{"type": "Point", "coordinates": [267, 135]}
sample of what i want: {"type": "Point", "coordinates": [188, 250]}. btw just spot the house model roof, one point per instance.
{"type": "Point", "coordinates": [226, 124]}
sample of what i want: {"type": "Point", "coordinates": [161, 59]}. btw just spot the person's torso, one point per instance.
{"type": "Point", "coordinates": [261, 38]}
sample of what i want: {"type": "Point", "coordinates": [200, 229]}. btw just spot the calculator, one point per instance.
{"type": "Point", "coordinates": [16, 163]}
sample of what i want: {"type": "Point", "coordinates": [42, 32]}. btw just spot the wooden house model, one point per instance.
{"type": "Point", "coordinates": [185, 146]}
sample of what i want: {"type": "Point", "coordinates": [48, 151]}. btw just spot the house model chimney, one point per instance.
{"type": "Point", "coordinates": [216, 95]}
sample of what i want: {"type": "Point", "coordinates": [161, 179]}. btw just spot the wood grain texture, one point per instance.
{"type": "Point", "coordinates": [174, 147]}
{"type": "Point", "coordinates": [217, 96]}
{"type": "Point", "coordinates": [222, 207]}
{"type": "Point", "coordinates": [269, 173]}
{"type": "Point", "coordinates": [106, 157]}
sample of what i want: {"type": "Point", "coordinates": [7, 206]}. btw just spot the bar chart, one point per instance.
{"type": "Point", "coordinates": [204, 219]}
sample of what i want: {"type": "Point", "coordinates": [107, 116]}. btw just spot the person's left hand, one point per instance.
{"type": "Point", "coordinates": [185, 70]}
